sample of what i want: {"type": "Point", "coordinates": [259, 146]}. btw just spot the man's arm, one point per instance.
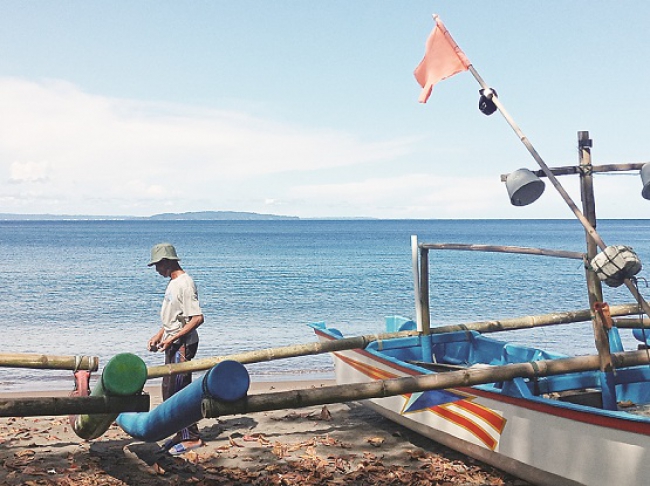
{"type": "Point", "coordinates": [193, 323]}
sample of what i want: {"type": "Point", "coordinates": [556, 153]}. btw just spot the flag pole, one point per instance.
{"type": "Point", "coordinates": [489, 93]}
{"type": "Point", "coordinates": [591, 231]}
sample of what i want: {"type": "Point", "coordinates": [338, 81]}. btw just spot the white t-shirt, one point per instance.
{"type": "Point", "coordinates": [180, 304]}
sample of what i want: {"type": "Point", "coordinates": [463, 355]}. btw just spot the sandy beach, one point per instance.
{"type": "Point", "coordinates": [334, 445]}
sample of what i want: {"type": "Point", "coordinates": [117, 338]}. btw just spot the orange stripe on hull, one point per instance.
{"type": "Point", "coordinates": [486, 414]}
{"type": "Point", "coordinates": [483, 414]}
{"type": "Point", "coordinates": [466, 424]}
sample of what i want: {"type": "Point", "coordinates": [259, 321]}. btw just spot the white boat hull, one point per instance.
{"type": "Point", "coordinates": [537, 440]}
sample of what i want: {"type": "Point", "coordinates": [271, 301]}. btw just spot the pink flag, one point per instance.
{"type": "Point", "coordinates": [442, 59]}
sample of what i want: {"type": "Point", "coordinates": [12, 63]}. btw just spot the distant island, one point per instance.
{"type": "Point", "coordinates": [219, 216]}
{"type": "Point", "coordinates": [193, 216]}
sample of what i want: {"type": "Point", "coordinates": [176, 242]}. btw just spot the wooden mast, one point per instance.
{"type": "Point", "coordinates": [594, 285]}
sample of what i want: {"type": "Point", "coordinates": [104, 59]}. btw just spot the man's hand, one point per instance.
{"type": "Point", "coordinates": [154, 343]}
{"type": "Point", "coordinates": [165, 344]}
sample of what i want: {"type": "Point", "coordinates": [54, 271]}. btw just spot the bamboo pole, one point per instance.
{"type": "Point", "coordinates": [424, 288]}
{"type": "Point", "coordinates": [572, 169]}
{"type": "Point", "coordinates": [504, 249]}
{"type": "Point", "coordinates": [360, 342]}
{"type": "Point", "coordinates": [271, 354]}
{"type": "Point", "coordinates": [529, 322]}
{"type": "Point", "coordinates": [549, 174]}
{"type": "Point", "coordinates": [632, 323]}
{"type": "Point", "coordinates": [398, 386]}
{"type": "Point", "coordinates": [49, 362]}
{"type": "Point", "coordinates": [45, 406]}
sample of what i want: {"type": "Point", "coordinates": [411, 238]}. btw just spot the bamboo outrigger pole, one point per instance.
{"type": "Point", "coordinates": [360, 342]}
{"type": "Point", "coordinates": [632, 323]}
{"type": "Point", "coordinates": [543, 320]}
{"type": "Point", "coordinates": [46, 406]}
{"type": "Point", "coordinates": [43, 361]}
{"type": "Point", "coordinates": [271, 354]}
{"type": "Point", "coordinates": [398, 386]}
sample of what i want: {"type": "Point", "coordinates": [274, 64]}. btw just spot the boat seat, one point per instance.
{"type": "Point", "coordinates": [453, 347]}
{"type": "Point", "coordinates": [487, 351]}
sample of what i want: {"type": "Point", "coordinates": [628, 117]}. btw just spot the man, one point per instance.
{"type": "Point", "coordinates": [181, 315]}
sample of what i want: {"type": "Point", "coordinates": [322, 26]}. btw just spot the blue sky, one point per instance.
{"type": "Point", "coordinates": [310, 108]}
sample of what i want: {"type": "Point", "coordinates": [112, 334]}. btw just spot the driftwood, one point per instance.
{"type": "Point", "coordinates": [41, 406]}
{"type": "Point", "coordinates": [42, 361]}
{"type": "Point", "coordinates": [398, 386]}
{"type": "Point", "coordinates": [360, 342]}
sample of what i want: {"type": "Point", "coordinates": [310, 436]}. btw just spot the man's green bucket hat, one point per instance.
{"type": "Point", "coordinates": [162, 251]}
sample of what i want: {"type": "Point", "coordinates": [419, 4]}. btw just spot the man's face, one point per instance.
{"type": "Point", "coordinates": [162, 267]}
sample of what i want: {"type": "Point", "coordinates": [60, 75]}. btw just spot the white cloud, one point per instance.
{"type": "Point", "coordinates": [66, 151]}
{"type": "Point", "coordinates": [29, 172]}
{"type": "Point", "coordinates": [408, 196]}
{"type": "Point", "coordinates": [114, 150]}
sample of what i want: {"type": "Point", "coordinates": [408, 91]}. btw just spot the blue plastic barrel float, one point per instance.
{"type": "Point", "coordinates": [228, 381]}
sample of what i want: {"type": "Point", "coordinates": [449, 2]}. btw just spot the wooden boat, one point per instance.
{"type": "Point", "coordinates": [550, 430]}
{"type": "Point", "coordinates": [575, 426]}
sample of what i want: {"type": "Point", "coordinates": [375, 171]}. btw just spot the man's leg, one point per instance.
{"type": "Point", "coordinates": [188, 436]}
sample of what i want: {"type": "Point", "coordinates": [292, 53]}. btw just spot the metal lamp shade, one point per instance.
{"type": "Point", "coordinates": [645, 179]}
{"type": "Point", "coordinates": [524, 187]}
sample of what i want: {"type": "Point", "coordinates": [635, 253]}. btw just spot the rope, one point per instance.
{"type": "Point", "coordinates": [535, 378]}
{"type": "Point", "coordinates": [77, 363]}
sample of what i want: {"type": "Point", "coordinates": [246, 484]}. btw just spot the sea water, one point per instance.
{"type": "Point", "coordinates": [84, 288]}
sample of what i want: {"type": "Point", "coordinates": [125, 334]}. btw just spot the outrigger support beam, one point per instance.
{"type": "Point", "coordinates": [212, 408]}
